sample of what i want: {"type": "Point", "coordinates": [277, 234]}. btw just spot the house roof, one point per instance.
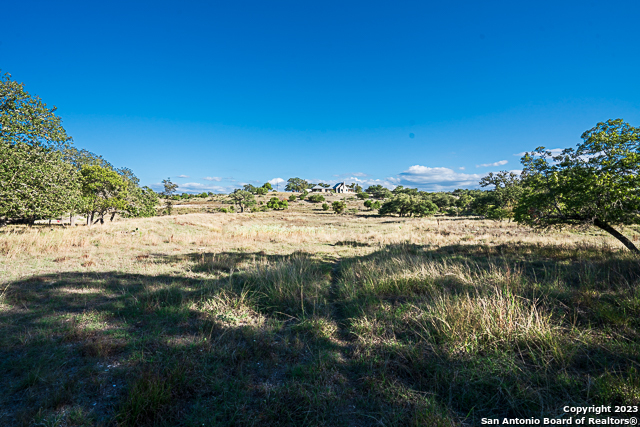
{"type": "Point", "coordinates": [317, 187]}
{"type": "Point", "coordinates": [338, 185]}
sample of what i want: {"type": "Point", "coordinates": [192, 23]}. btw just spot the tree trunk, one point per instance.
{"type": "Point", "coordinates": [90, 219]}
{"type": "Point", "coordinates": [72, 220]}
{"type": "Point", "coordinates": [113, 216]}
{"type": "Point", "coordinates": [615, 233]}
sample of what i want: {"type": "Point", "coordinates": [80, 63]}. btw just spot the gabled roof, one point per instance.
{"type": "Point", "coordinates": [338, 185]}
{"type": "Point", "coordinates": [317, 187]}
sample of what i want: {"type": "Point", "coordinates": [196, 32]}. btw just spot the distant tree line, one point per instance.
{"type": "Point", "coordinates": [42, 176]}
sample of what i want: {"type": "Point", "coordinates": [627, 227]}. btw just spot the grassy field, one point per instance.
{"type": "Point", "coordinates": [303, 317]}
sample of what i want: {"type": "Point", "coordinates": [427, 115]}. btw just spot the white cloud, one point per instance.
{"type": "Point", "coordinates": [196, 187]}
{"type": "Point", "coordinates": [275, 181]}
{"type": "Point", "coordinates": [462, 168]}
{"type": "Point", "coordinates": [486, 165]}
{"type": "Point", "coordinates": [360, 174]}
{"type": "Point", "coordinates": [436, 179]}
{"type": "Point", "coordinates": [183, 176]}
{"type": "Point", "coordinates": [212, 178]}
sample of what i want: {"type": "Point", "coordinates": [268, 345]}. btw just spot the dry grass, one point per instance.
{"type": "Point", "coordinates": [303, 317]}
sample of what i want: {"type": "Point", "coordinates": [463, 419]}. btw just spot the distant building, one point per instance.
{"type": "Point", "coordinates": [319, 189]}
{"type": "Point", "coordinates": [341, 187]}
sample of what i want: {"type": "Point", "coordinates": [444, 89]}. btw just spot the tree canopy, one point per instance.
{"type": "Point", "coordinates": [296, 184]}
{"type": "Point", "coordinates": [35, 182]}
{"type": "Point", "coordinates": [598, 183]}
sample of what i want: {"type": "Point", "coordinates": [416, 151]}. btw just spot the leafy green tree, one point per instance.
{"type": "Point", "coordinates": [169, 189]}
{"type": "Point", "coordinates": [277, 204]}
{"type": "Point", "coordinates": [315, 198]}
{"type": "Point", "coordinates": [267, 185]}
{"type": "Point", "coordinates": [598, 183]}
{"type": "Point", "coordinates": [250, 188]}
{"type": "Point", "coordinates": [379, 192]}
{"type": "Point", "coordinates": [408, 205]}
{"type": "Point", "coordinates": [141, 202]}
{"type": "Point", "coordinates": [501, 201]}
{"type": "Point", "coordinates": [103, 191]}
{"type": "Point", "coordinates": [296, 184]}
{"type": "Point", "coordinates": [243, 199]}
{"type": "Point", "coordinates": [339, 206]}
{"type": "Point", "coordinates": [34, 180]}
{"type": "Point", "coordinates": [323, 185]}
{"type": "Point", "coordinates": [261, 191]}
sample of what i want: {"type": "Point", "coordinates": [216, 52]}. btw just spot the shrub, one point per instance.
{"type": "Point", "coordinates": [292, 198]}
{"type": "Point", "coordinates": [338, 206]}
{"type": "Point", "coordinates": [368, 204]}
{"type": "Point", "coordinates": [316, 198]}
{"type": "Point", "coordinates": [277, 204]}
{"type": "Point", "coordinates": [302, 196]}
{"type": "Point", "coordinates": [325, 207]}
{"type": "Point", "coordinates": [362, 196]}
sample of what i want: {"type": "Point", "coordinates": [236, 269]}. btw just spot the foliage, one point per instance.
{"type": "Point", "coordinates": [292, 198]}
{"type": "Point", "coordinates": [35, 183]}
{"type": "Point", "coordinates": [34, 180]}
{"type": "Point", "coordinates": [325, 207]}
{"type": "Point", "coordinates": [408, 205]}
{"type": "Point", "coordinates": [379, 192]}
{"type": "Point", "coordinates": [103, 191]}
{"type": "Point", "coordinates": [243, 199]}
{"type": "Point", "coordinates": [339, 206]}
{"type": "Point", "coordinates": [267, 185]}
{"type": "Point", "coordinates": [598, 183]}
{"type": "Point", "coordinates": [277, 204]}
{"type": "Point", "coordinates": [316, 198]}
{"type": "Point", "coordinates": [250, 188]}
{"type": "Point", "coordinates": [261, 191]}
{"type": "Point", "coordinates": [141, 202]}
{"type": "Point", "coordinates": [303, 195]}
{"type": "Point", "coordinates": [296, 184]}
{"type": "Point", "coordinates": [500, 202]}
{"type": "Point", "coordinates": [362, 195]}
{"type": "Point", "coordinates": [169, 189]}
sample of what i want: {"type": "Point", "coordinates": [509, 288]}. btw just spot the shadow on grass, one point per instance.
{"type": "Point", "coordinates": [127, 349]}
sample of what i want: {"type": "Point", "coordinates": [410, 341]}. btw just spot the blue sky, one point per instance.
{"type": "Point", "coordinates": [423, 94]}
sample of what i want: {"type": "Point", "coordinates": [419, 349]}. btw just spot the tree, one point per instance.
{"type": "Point", "coordinates": [34, 180]}
{"type": "Point", "coordinates": [316, 198]}
{"type": "Point", "coordinates": [407, 205]}
{"type": "Point", "coordinates": [261, 191]}
{"type": "Point", "coordinates": [250, 188]}
{"type": "Point", "coordinates": [267, 185]}
{"type": "Point", "coordinates": [362, 195]}
{"type": "Point", "coordinates": [277, 204]}
{"type": "Point", "coordinates": [103, 191]}
{"type": "Point", "coordinates": [500, 202]}
{"type": "Point", "coordinates": [598, 183]}
{"type": "Point", "coordinates": [339, 206]}
{"type": "Point", "coordinates": [379, 192]}
{"type": "Point", "coordinates": [243, 199]}
{"type": "Point", "coordinates": [169, 189]}
{"type": "Point", "coordinates": [296, 184]}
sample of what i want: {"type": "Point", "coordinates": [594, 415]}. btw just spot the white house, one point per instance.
{"type": "Point", "coordinates": [341, 187]}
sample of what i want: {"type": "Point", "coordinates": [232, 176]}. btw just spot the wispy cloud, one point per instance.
{"type": "Point", "coordinates": [499, 163]}
{"type": "Point", "coordinates": [212, 178]}
{"type": "Point", "coordinates": [436, 178]}
{"type": "Point", "coordinates": [183, 176]}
